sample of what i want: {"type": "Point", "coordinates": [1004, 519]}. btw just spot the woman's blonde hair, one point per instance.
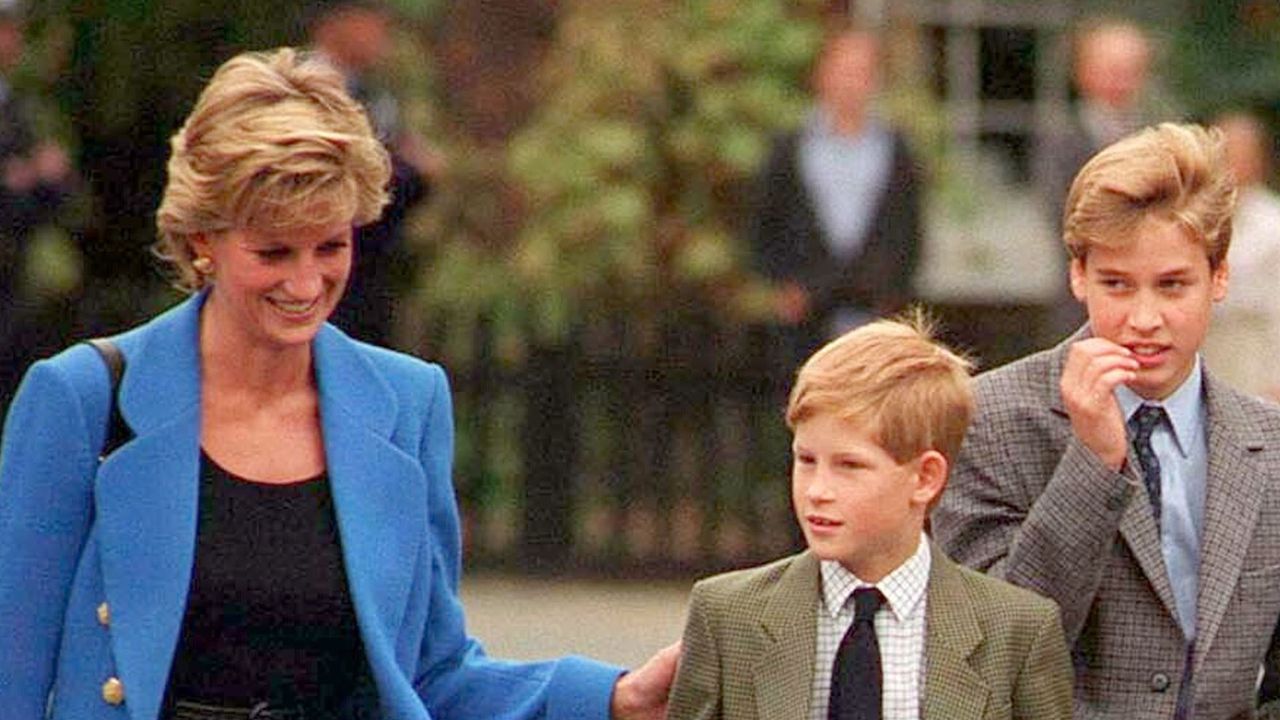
{"type": "Point", "coordinates": [1172, 172]}
{"type": "Point", "coordinates": [911, 391]}
{"type": "Point", "coordinates": [274, 142]}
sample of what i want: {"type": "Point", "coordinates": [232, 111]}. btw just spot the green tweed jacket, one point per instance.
{"type": "Point", "coordinates": [992, 651]}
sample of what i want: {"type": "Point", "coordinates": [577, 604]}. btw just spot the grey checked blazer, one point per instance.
{"type": "Point", "coordinates": [1029, 503]}
{"type": "Point", "coordinates": [992, 651]}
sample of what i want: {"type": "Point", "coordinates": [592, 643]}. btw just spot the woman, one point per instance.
{"type": "Point", "coordinates": [279, 539]}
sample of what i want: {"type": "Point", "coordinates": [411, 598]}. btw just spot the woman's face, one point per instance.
{"type": "Point", "coordinates": [278, 288]}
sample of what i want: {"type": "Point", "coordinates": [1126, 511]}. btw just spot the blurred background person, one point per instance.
{"type": "Point", "coordinates": [1111, 72]}
{"type": "Point", "coordinates": [35, 179]}
{"type": "Point", "coordinates": [1244, 339]}
{"type": "Point", "coordinates": [356, 37]}
{"type": "Point", "coordinates": [837, 217]}
{"type": "Point", "coordinates": [1111, 68]}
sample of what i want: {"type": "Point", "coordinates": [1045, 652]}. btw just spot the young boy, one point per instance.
{"type": "Point", "coordinates": [1117, 476]}
{"type": "Point", "coordinates": [872, 621]}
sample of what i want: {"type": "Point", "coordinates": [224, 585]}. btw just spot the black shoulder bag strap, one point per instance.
{"type": "Point", "coordinates": [118, 432]}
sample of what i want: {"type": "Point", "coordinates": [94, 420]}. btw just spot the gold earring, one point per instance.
{"type": "Point", "coordinates": [202, 264]}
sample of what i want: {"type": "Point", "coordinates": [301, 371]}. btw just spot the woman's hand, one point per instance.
{"type": "Point", "coordinates": [642, 693]}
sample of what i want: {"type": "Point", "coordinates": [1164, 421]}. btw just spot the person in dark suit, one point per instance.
{"type": "Point", "coordinates": [1111, 67]}
{"type": "Point", "coordinates": [1114, 473]}
{"type": "Point", "coordinates": [1111, 64]}
{"type": "Point", "coordinates": [35, 173]}
{"type": "Point", "coordinates": [279, 537]}
{"type": "Point", "coordinates": [36, 178]}
{"type": "Point", "coordinates": [877, 415]}
{"type": "Point", "coordinates": [355, 36]}
{"type": "Point", "coordinates": [837, 224]}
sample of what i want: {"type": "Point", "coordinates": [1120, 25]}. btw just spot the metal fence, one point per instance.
{"type": "Point", "coordinates": [602, 457]}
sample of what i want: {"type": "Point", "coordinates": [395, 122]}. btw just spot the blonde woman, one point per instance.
{"type": "Point", "coordinates": [279, 539]}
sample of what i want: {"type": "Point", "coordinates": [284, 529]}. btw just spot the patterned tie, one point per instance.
{"type": "Point", "coordinates": [856, 679]}
{"type": "Point", "coordinates": [1144, 422]}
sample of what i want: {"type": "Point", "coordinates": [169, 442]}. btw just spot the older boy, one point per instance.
{"type": "Point", "coordinates": [1118, 477]}
{"type": "Point", "coordinates": [876, 415]}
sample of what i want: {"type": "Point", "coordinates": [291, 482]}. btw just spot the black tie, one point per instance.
{"type": "Point", "coordinates": [1144, 422]}
{"type": "Point", "coordinates": [856, 679]}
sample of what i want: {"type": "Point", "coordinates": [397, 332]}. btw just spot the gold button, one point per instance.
{"type": "Point", "coordinates": [104, 615]}
{"type": "Point", "coordinates": [113, 691]}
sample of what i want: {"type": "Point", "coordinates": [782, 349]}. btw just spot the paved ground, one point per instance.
{"type": "Point", "coordinates": [535, 618]}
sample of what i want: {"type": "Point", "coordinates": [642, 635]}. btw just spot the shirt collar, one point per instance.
{"type": "Point", "coordinates": [1106, 124]}
{"type": "Point", "coordinates": [902, 589]}
{"type": "Point", "coordinates": [821, 125]}
{"type": "Point", "coordinates": [1185, 407]}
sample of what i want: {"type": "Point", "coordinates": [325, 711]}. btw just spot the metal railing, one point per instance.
{"type": "Point", "coordinates": [599, 458]}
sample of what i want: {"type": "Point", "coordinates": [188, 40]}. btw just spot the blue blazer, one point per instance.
{"type": "Point", "coordinates": [75, 534]}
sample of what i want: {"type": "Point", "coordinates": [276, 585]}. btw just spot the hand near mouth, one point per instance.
{"type": "Point", "coordinates": [1094, 368]}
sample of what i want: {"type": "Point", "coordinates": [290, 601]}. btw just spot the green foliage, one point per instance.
{"type": "Point", "coordinates": [136, 57]}
{"type": "Point", "coordinates": [126, 74]}
{"type": "Point", "coordinates": [1225, 54]}
{"type": "Point", "coordinates": [620, 200]}
{"type": "Point", "coordinates": [417, 11]}
{"type": "Point", "coordinates": [51, 265]}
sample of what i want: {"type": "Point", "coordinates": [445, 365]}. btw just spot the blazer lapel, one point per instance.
{"type": "Point", "coordinates": [145, 497]}
{"type": "Point", "coordinates": [379, 491]}
{"type": "Point", "coordinates": [952, 690]}
{"type": "Point", "coordinates": [784, 675]}
{"type": "Point", "coordinates": [1137, 524]}
{"type": "Point", "coordinates": [1138, 527]}
{"type": "Point", "coordinates": [1234, 491]}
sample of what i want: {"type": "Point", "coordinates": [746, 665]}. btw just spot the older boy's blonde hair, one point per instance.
{"type": "Point", "coordinates": [1171, 172]}
{"type": "Point", "coordinates": [911, 391]}
{"type": "Point", "coordinates": [274, 142]}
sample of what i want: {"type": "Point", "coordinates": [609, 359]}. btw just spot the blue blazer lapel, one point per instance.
{"type": "Point", "coordinates": [379, 490]}
{"type": "Point", "coordinates": [145, 497]}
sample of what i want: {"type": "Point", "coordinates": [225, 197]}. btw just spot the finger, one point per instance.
{"type": "Point", "coordinates": [1097, 397]}
{"type": "Point", "coordinates": [1101, 346]}
{"type": "Point", "coordinates": [1103, 391]}
{"type": "Point", "coordinates": [1085, 352]}
{"type": "Point", "coordinates": [1091, 375]}
{"type": "Point", "coordinates": [1085, 375]}
{"type": "Point", "coordinates": [1104, 383]}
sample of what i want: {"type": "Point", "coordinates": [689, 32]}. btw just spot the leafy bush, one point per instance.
{"type": "Point", "coordinates": [619, 201]}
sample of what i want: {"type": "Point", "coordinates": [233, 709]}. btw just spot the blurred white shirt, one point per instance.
{"type": "Point", "coordinates": [1244, 337]}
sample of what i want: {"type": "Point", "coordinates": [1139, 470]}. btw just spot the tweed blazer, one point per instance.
{"type": "Point", "coordinates": [992, 651]}
{"type": "Point", "coordinates": [77, 536]}
{"type": "Point", "coordinates": [1029, 503]}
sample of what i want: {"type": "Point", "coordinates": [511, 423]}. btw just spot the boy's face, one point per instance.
{"type": "Point", "coordinates": [855, 503]}
{"type": "Point", "coordinates": [1154, 296]}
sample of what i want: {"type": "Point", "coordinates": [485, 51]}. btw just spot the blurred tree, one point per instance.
{"type": "Point", "coordinates": [1225, 54]}
{"type": "Point", "coordinates": [134, 68]}
{"type": "Point", "coordinates": [600, 154]}
{"type": "Point", "coordinates": [618, 199]}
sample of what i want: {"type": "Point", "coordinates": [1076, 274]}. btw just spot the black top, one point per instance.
{"type": "Point", "coordinates": [269, 615]}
